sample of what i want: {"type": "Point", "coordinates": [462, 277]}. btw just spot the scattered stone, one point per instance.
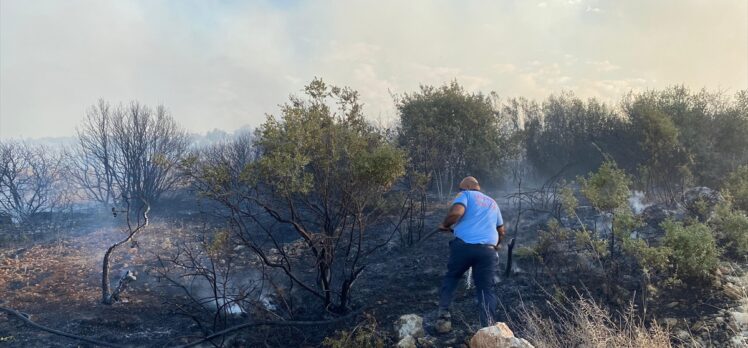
{"type": "Point", "coordinates": [409, 325]}
{"type": "Point", "coordinates": [427, 342]}
{"type": "Point", "coordinates": [443, 326]}
{"type": "Point", "coordinates": [740, 319]}
{"type": "Point", "coordinates": [697, 326]}
{"type": "Point", "coordinates": [672, 304]}
{"type": "Point", "coordinates": [719, 320]}
{"type": "Point", "coordinates": [407, 342]}
{"type": "Point", "coordinates": [497, 336]}
{"type": "Point", "coordinates": [683, 335]}
{"type": "Point", "coordinates": [670, 322]}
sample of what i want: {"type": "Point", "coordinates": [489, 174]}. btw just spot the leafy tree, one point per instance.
{"type": "Point", "coordinates": [731, 227]}
{"type": "Point", "coordinates": [736, 187]}
{"type": "Point", "coordinates": [607, 189]}
{"type": "Point", "coordinates": [712, 130]}
{"type": "Point", "coordinates": [693, 248]}
{"type": "Point", "coordinates": [664, 162]}
{"type": "Point", "coordinates": [569, 134]}
{"type": "Point", "coordinates": [449, 133]}
{"type": "Point", "coordinates": [323, 171]}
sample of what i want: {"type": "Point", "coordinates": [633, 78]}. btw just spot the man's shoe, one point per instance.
{"type": "Point", "coordinates": [444, 323]}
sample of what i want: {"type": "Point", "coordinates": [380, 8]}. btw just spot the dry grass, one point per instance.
{"type": "Point", "coordinates": [584, 323]}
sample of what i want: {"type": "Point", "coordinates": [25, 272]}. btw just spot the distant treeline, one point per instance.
{"type": "Point", "coordinates": [666, 138]}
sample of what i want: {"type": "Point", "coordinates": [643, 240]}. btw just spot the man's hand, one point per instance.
{"type": "Point", "coordinates": [444, 228]}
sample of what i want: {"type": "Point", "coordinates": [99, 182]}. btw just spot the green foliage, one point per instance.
{"type": "Point", "coordinates": [549, 240]}
{"type": "Point", "coordinates": [314, 150]}
{"type": "Point", "coordinates": [570, 134]}
{"type": "Point", "coordinates": [568, 200]}
{"type": "Point", "coordinates": [664, 162]}
{"type": "Point", "coordinates": [650, 259]}
{"type": "Point", "coordinates": [671, 136]}
{"type": "Point", "coordinates": [732, 230]}
{"type": "Point", "coordinates": [365, 335]}
{"type": "Point", "coordinates": [736, 187]}
{"type": "Point", "coordinates": [607, 189]}
{"type": "Point", "coordinates": [450, 133]}
{"type": "Point", "coordinates": [693, 250]}
{"type": "Point", "coordinates": [323, 155]}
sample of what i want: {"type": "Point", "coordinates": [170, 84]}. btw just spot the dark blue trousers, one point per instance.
{"type": "Point", "coordinates": [483, 259]}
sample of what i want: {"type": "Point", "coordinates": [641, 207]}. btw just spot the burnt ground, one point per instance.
{"type": "Point", "coordinates": [57, 283]}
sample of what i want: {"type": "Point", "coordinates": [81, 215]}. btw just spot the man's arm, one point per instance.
{"type": "Point", "coordinates": [501, 231]}
{"type": "Point", "coordinates": [455, 213]}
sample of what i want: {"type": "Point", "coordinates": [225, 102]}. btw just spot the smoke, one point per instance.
{"type": "Point", "coordinates": [636, 202]}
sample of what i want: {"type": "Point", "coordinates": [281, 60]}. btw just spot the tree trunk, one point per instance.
{"type": "Point", "coordinates": [106, 295]}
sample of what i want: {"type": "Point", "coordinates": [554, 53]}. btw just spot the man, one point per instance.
{"type": "Point", "coordinates": [478, 228]}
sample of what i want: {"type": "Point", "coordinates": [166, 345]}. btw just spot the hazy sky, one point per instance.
{"type": "Point", "coordinates": [224, 64]}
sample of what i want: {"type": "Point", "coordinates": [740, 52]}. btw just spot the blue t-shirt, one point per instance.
{"type": "Point", "coordinates": [482, 216]}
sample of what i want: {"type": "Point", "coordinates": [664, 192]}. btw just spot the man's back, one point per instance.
{"type": "Point", "coordinates": [482, 216]}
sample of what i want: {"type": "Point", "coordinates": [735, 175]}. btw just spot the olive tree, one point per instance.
{"type": "Point", "coordinates": [323, 172]}
{"type": "Point", "coordinates": [449, 133]}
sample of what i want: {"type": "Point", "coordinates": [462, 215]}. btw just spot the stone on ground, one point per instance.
{"type": "Point", "coordinates": [407, 342]}
{"type": "Point", "coordinates": [409, 325]}
{"type": "Point", "coordinates": [497, 336]}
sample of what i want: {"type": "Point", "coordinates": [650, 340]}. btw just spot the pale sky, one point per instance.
{"type": "Point", "coordinates": [225, 64]}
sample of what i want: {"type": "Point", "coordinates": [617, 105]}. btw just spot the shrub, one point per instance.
{"type": "Point", "coordinates": [732, 230]}
{"type": "Point", "coordinates": [693, 250]}
{"type": "Point", "coordinates": [736, 186]}
{"type": "Point", "coordinates": [608, 188]}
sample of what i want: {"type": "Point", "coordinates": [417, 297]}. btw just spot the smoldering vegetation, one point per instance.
{"type": "Point", "coordinates": [629, 221]}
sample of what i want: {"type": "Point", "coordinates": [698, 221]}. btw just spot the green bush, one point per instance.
{"type": "Point", "coordinates": [732, 230]}
{"type": "Point", "coordinates": [608, 188]}
{"type": "Point", "coordinates": [736, 187]}
{"type": "Point", "coordinates": [693, 250]}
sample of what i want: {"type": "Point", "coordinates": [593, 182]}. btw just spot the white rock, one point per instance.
{"type": "Point", "coordinates": [407, 342]}
{"type": "Point", "coordinates": [497, 336]}
{"type": "Point", "coordinates": [409, 325]}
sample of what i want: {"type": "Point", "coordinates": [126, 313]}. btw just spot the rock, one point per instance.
{"type": "Point", "coordinates": [409, 325]}
{"type": "Point", "coordinates": [672, 304]}
{"type": "Point", "coordinates": [443, 326]}
{"type": "Point", "coordinates": [653, 216]}
{"type": "Point", "coordinates": [497, 336]}
{"type": "Point", "coordinates": [683, 335]}
{"type": "Point", "coordinates": [670, 322]}
{"type": "Point", "coordinates": [697, 326]}
{"type": "Point", "coordinates": [732, 291]}
{"type": "Point", "coordinates": [427, 342]}
{"type": "Point", "coordinates": [719, 320]}
{"type": "Point", "coordinates": [407, 342]}
{"type": "Point", "coordinates": [740, 319]}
